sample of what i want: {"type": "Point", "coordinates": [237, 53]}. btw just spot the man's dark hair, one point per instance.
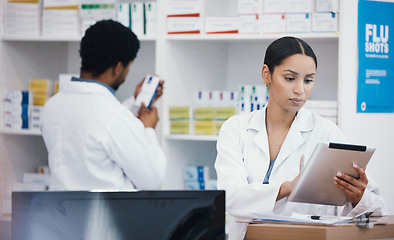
{"type": "Point", "coordinates": [105, 44]}
{"type": "Point", "coordinates": [284, 47]}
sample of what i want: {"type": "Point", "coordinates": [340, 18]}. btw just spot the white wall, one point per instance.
{"type": "Point", "coordinates": [363, 128]}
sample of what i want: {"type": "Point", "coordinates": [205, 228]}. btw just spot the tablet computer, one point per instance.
{"type": "Point", "coordinates": [316, 182]}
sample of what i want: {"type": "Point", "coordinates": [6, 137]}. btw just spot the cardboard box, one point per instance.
{"type": "Point", "coordinates": [299, 6]}
{"type": "Point", "coordinates": [327, 5]}
{"type": "Point", "coordinates": [250, 7]}
{"type": "Point", "coordinates": [179, 112]}
{"type": "Point", "coordinates": [274, 23]}
{"type": "Point", "coordinates": [325, 22]}
{"type": "Point", "coordinates": [249, 24]}
{"type": "Point", "coordinates": [183, 25]}
{"type": "Point", "coordinates": [206, 127]}
{"type": "Point", "coordinates": [179, 126]}
{"type": "Point", "coordinates": [137, 18]}
{"type": "Point", "coordinates": [298, 22]}
{"type": "Point", "coordinates": [274, 6]}
{"type": "Point", "coordinates": [150, 18]}
{"type": "Point", "coordinates": [216, 25]}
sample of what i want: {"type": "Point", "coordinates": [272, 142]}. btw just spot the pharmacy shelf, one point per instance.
{"type": "Point", "coordinates": [192, 137]}
{"type": "Point", "coordinates": [248, 37]}
{"type": "Point", "coordinates": [20, 132]}
{"type": "Point", "coordinates": [58, 38]}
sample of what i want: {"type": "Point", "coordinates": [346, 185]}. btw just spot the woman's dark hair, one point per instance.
{"type": "Point", "coordinates": [105, 44]}
{"type": "Point", "coordinates": [284, 47]}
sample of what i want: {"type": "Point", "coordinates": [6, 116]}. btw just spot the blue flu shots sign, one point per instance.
{"type": "Point", "coordinates": [375, 92]}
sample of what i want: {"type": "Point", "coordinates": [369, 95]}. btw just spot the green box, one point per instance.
{"type": "Point", "coordinates": [179, 112]}
{"type": "Point", "coordinates": [204, 127]}
{"type": "Point", "coordinates": [180, 127]}
{"type": "Point", "coordinates": [224, 113]}
{"type": "Point", "coordinates": [204, 113]}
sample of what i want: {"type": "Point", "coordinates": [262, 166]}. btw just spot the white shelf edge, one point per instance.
{"type": "Point", "coordinates": [192, 137]}
{"type": "Point", "coordinates": [59, 38]}
{"type": "Point", "coordinates": [20, 132]}
{"type": "Point", "coordinates": [237, 37]}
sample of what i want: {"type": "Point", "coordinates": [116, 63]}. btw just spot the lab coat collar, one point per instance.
{"type": "Point", "coordinates": [86, 87]}
{"type": "Point", "coordinates": [302, 123]}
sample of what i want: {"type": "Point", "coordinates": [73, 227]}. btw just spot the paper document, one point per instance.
{"type": "Point", "coordinates": [303, 219]}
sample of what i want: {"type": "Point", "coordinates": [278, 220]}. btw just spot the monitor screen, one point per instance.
{"type": "Point", "coordinates": [138, 215]}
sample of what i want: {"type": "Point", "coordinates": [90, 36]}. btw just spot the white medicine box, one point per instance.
{"type": "Point", "coordinates": [274, 6]}
{"type": "Point", "coordinates": [184, 17]}
{"type": "Point", "coordinates": [220, 25]}
{"type": "Point", "coordinates": [298, 22]}
{"type": "Point", "coordinates": [273, 23]}
{"type": "Point", "coordinates": [249, 23]}
{"type": "Point", "coordinates": [327, 5]}
{"type": "Point", "coordinates": [299, 6]}
{"type": "Point", "coordinates": [250, 6]}
{"type": "Point", "coordinates": [325, 22]}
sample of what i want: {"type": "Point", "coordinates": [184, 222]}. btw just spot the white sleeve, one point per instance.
{"type": "Point", "coordinates": [136, 150]}
{"type": "Point", "coordinates": [243, 200]}
{"type": "Point", "coordinates": [129, 104]}
{"type": "Point", "coordinates": [371, 202]}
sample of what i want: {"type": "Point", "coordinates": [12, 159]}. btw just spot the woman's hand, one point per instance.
{"type": "Point", "coordinates": [286, 187]}
{"type": "Point", "coordinates": [353, 188]}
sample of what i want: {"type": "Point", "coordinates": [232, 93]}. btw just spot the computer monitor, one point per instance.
{"type": "Point", "coordinates": [157, 215]}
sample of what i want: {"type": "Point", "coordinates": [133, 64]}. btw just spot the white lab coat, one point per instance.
{"type": "Point", "coordinates": [94, 142]}
{"type": "Point", "coordinates": [243, 160]}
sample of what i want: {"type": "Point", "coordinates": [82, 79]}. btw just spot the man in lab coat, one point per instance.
{"type": "Point", "coordinates": [93, 141]}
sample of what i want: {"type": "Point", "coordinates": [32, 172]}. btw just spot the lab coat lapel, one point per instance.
{"type": "Point", "coordinates": [257, 123]}
{"type": "Point", "coordinates": [295, 138]}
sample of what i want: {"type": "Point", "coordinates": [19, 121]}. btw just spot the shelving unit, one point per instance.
{"type": "Point", "coordinates": [187, 63]}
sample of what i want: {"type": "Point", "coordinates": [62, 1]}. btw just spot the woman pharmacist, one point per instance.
{"type": "Point", "coordinates": [259, 154]}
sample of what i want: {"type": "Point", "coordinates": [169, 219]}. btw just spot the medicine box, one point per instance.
{"type": "Point", "coordinates": [325, 22]}
{"type": "Point", "coordinates": [150, 18]}
{"type": "Point", "coordinates": [298, 22]}
{"type": "Point", "coordinates": [184, 17]}
{"type": "Point", "coordinates": [274, 6]}
{"type": "Point", "coordinates": [327, 5]}
{"type": "Point", "coordinates": [249, 23]}
{"type": "Point", "coordinates": [182, 25]}
{"type": "Point", "coordinates": [219, 25]}
{"type": "Point", "coordinates": [137, 18]}
{"type": "Point", "coordinates": [274, 23]}
{"type": "Point", "coordinates": [194, 185]}
{"type": "Point", "coordinates": [148, 91]}
{"type": "Point", "coordinates": [179, 112]}
{"type": "Point", "coordinates": [179, 126]}
{"type": "Point", "coordinates": [250, 6]}
{"type": "Point", "coordinates": [204, 127]}
{"type": "Point", "coordinates": [204, 113]}
{"type": "Point", "coordinates": [196, 173]}
{"type": "Point", "coordinates": [299, 6]}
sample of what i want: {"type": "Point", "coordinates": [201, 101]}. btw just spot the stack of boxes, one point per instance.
{"type": "Point", "coordinates": [184, 17]}
{"type": "Point", "coordinates": [91, 13]}
{"type": "Point", "coordinates": [180, 119]}
{"type": "Point", "coordinates": [251, 98]}
{"type": "Point", "coordinates": [256, 17]}
{"type": "Point", "coordinates": [17, 108]}
{"type": "Point", "coordinates": [140, 17]}
{"type": "Point", "coordinates": [60, 18]}
{"type": "Point", "coordinates": [34, 181]}
{"type": "Point", "coordinates": [249, 16]}
{"type": "Point", "coordinates": [22, 18]}
{"type": "Point", "coordinates": [42, 90]}
{"type": "Point", "coordinates": [326, 17]}
{"type": "Point", "coordinates": [211, 109]}
{"type": "Point", "coordinates": [197, 178]}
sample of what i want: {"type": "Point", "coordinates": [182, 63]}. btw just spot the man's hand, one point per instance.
{"type": "Point", "coordinates": [158, 93]}
{"type": "Point", "coordinates": [148, 117]}
{"type": "Point", "coordinates": [354, 188]}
